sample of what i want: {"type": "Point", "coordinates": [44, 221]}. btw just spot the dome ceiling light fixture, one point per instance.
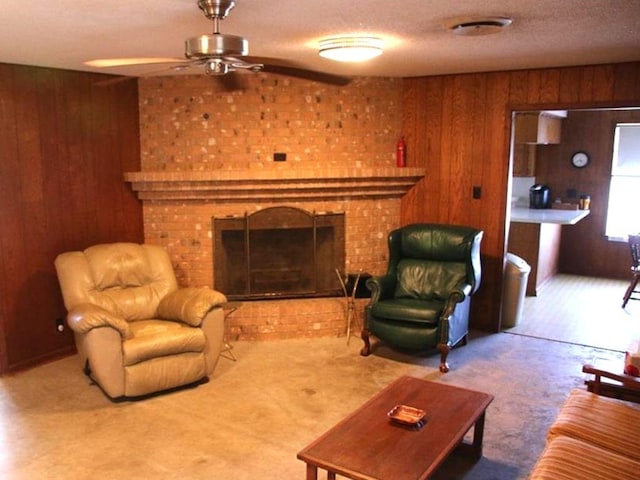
{"type": "Point", "coordinates": [481, 26]}
{"type": "Point", "coordinates": [351, 48]}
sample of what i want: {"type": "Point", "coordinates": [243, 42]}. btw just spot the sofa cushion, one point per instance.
{"type": "Point", "coordinates": [566, 458]}
{"type": "Point", "coordinates": [125, 279]}
{"type": "Point", "coordinates": [420, 312]}
{"type": "Point", "coordinates": [601, 421]}
{"type": "Point", "coordinates": [156, 338]}
{"type": "Point", "coordinates": [162, 373]}
{"type": "Point", "coordinates": [406, 336]}
{"type": "Point", "coordinates": [428, 279]}
{"type": "Point", "coordinates": [119, 265]}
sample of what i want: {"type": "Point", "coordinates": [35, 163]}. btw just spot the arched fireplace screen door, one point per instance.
{"type": "Point", "coordinates": [279, 252]}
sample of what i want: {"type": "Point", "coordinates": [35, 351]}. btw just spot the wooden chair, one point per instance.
{"type": "Point", "coordinates": [634, 246]}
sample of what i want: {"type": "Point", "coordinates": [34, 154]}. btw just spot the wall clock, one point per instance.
{"type": "Point", "coordinates": [580, 160]}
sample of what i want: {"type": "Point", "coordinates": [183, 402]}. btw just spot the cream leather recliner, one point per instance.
{"type": "Point", "coordinates": [136, 332]}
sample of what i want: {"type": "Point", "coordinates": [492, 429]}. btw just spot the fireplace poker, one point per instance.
{"type": "Point", "coordinates": [351, 300]}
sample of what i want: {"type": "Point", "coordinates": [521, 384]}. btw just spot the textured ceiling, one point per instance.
{"type": "Point", "coordinates": [544, 33]}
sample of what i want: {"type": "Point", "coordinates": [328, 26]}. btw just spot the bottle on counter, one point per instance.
{"type": "Point", "coordinates": [585, 202]}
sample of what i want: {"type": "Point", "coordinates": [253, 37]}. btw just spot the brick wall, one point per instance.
{"type": "Point", "coordinates": [188, 124]}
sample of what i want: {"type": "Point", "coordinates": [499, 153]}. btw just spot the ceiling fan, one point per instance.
{"type": "Point", "coordinates": [222, 55]}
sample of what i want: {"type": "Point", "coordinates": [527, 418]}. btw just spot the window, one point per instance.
{"type": "Point", "coordinates": [624, 189]}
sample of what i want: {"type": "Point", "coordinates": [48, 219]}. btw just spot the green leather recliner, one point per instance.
{"type": "Point", "coordinates": [423, 300]}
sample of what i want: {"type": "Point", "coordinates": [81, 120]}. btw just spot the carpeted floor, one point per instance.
{"type": "Point", "coordinates": [256, 413]}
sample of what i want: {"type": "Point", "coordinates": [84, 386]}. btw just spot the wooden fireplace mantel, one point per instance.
{"type": "Point", "coordinates": [260, 185]}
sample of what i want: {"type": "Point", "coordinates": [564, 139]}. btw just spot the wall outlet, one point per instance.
{"type": "Point", "coordinates": [279, 157]}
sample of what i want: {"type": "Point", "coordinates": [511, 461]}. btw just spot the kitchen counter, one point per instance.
{"type": "Point", "coordinates": [535, 235]}
{"type": "Point", "coordinates": [547, 215]}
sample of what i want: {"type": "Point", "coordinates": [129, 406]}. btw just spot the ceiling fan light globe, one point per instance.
{"type": "Point", "coordinates": [216, 45]}
{"type": "Point", "coordinates": [350, 49]}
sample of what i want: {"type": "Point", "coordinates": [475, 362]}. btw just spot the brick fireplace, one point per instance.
{"type": "Point", "coordinates": [209, 154]}
{"type": "Point", "coordinates": [178, 208]}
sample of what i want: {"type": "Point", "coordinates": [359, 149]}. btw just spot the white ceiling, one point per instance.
{"type": "Point", "coordinates": [544, 33]}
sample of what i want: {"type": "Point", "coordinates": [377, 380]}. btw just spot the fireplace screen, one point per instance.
{"type": "Point", "coordinates": [280, 252]}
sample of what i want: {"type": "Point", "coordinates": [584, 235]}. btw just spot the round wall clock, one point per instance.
{"type": "Point", "coordinates": [580, 160]}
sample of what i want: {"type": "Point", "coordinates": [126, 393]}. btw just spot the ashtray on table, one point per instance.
{"type": "Point", "coordinates": [407, 415]}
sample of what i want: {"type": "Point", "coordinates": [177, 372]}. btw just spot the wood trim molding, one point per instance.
{"type": "Point", "coordinates": [289, 185]}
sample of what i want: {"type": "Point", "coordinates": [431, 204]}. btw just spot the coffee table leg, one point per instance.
{"type": "Point", "coordinates": [312, 472]}
{"type": "Point", "coordinates": [474, 449]}
{"type": "Point", "coordinates": [478, 433]}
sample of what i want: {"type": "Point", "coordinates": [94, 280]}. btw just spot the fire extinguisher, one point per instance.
{"type": "Point", "coordinates": [401, 153]}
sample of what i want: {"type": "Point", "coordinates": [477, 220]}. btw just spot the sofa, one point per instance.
{"type": "Point", "coordinates": [596, 435]}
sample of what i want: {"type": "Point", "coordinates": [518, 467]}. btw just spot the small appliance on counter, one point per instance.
{"type": "Point", "coordinates": [539, 196]}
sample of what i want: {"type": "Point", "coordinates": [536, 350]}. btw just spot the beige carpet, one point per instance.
{"type": "Point", "coordinates": [583, 311]}
{"type": "Point", "coordinates": [256, 413]}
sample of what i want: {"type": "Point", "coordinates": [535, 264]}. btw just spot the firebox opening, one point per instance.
{"type": "Point", "coordinates": [279, 252]}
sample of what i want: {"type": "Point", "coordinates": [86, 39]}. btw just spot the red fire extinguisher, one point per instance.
{"type": "Point", "coordinates": [401, 153]}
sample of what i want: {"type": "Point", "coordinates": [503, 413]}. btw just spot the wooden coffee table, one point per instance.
{"type": "Point", "coordinates": [367, 445]}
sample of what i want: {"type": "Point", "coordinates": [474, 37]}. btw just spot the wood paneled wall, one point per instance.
{"type": "Point", "coordinates": [584, 248]}
{"type": "Point", "coordinates": [64, 144]}
{"type": "Point", "coordinates": [458, 127]}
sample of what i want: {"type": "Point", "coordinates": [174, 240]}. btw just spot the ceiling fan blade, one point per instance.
{"type": "Point", "coordinates": [182, 65]}
{"type": "Point", "coordinates": [127, 62]}
{"type": "Point", "coordinates": [284, 67]}
{"type": "Point", "coordinates": [123, 78]}
{"type": "Point", "coordinates": [307, 74]}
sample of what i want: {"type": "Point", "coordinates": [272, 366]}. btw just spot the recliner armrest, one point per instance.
{"type": "Point", "coordinates": [190, 305]}
{"type": "Point", "coordinates": [86, 316]}
{"type": "Point", "coordinates": [456, 296]}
